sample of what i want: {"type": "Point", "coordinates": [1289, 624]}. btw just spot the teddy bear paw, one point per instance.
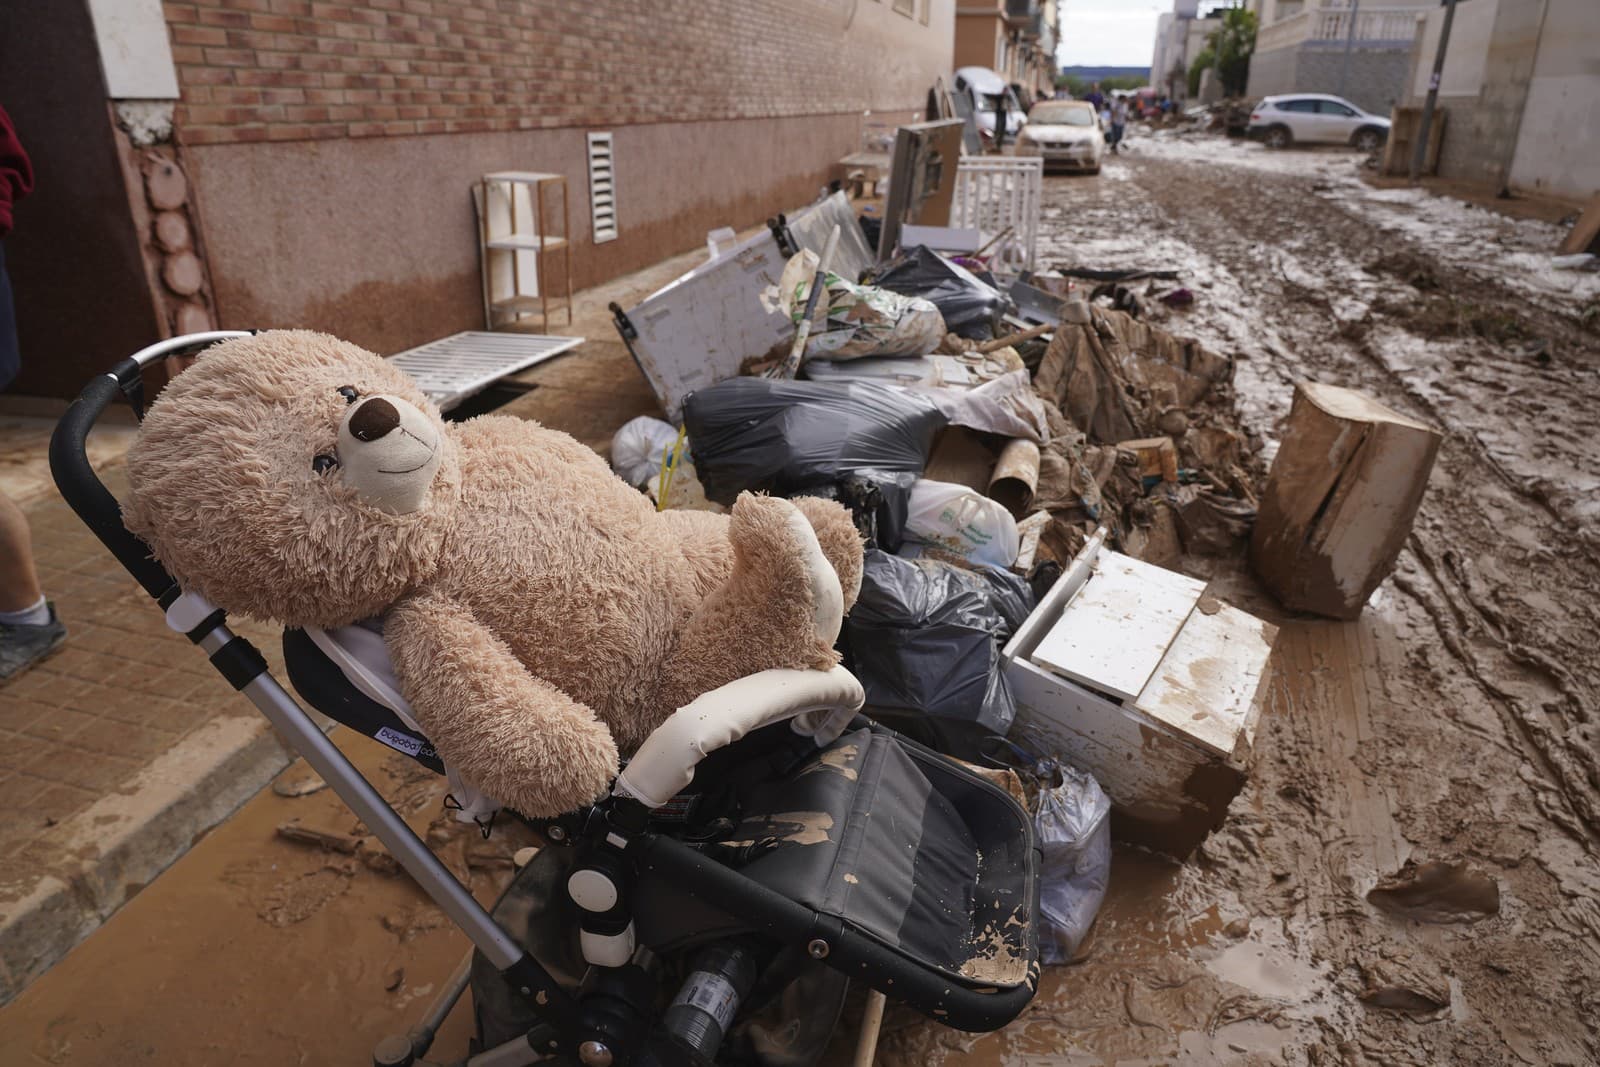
{"type": "Point", "coordinates": [777, 540]}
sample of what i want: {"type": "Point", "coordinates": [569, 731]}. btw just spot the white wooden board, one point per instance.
{"type": "Point", "coordinates": [1114, 633]}
{"type": "Point", "coordinates": [700, 329]}
{"type": "Point", "coordinates": [1206, 685]}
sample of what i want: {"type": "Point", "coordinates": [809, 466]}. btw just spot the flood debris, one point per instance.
{"type": "Point", "coordinates": [1439, 891]}
{"type": "Point", "coordinates": [1339, 502]}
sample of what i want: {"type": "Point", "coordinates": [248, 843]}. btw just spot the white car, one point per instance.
{"type": "Point", "coordinates": [985, 91]}
{"type": "Point", "coordinates": [1064, 133]}
{"type": "Point", "coordinates": [1315, 118]}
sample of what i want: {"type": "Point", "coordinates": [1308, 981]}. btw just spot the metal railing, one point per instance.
{"type": "Point", "coordinates": [1380, 25]}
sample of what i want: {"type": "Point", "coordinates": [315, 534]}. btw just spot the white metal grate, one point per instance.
{"type": "Point", "coordinates": [602, 189]}
{"type": "Point", "coordinates": [453, 368]}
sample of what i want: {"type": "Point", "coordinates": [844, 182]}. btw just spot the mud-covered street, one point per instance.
{"type": "Point", "coordinates": [1444, 750]}
{"type": "Point", "coordinates": [1454, 724]}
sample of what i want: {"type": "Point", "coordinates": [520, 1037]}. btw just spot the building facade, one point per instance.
{"type": "Point", "coordinates": [1315, 46]}
{"type": "Point", "coordinates": [1016, 38]}
{"type": "Point", "coordinates": [276, 163]}
{"type": "Point", "coordinates": [1180, 36]}
{"type": "Point", "coordinates": [1517, 92]}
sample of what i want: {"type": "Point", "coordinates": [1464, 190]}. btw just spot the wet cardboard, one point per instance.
{"type": "Point", "coordinates": [1339, 503]}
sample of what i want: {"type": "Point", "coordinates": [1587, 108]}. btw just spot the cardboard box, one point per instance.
{"type": "Point", "coordinates": [1340, 500]}
{"type": "Point", "coordinates": [1139, 676]}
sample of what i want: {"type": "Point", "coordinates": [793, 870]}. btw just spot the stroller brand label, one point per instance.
{"type": "Point", "coordinates": [712, 994]}
{"type": "Point", "coordinates": [398, 741]}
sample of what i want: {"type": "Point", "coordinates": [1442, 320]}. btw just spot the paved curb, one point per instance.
{"type": "Point", "coordinates": [125, 839]}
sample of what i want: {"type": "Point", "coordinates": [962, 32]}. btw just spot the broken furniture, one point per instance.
{"type": "Point", "coordinates": [1138, 676]}
{"type": "Point", "coordinates": [523, 249]}
{"type": "Point", "coordinates": [454, 368]}
{"type": "Point", "coordinates": [1339, 503]}
{"type": "Point", "coordinates": [922, 179]}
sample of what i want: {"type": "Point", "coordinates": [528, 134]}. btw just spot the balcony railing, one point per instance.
{"type": "Point", "coordinates": [1394, 26]}
{"type": "Point", "coordinates": [1022, 12]}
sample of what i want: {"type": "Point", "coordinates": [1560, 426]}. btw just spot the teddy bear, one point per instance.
{"type": "Point", "coordinates": [541, 615]}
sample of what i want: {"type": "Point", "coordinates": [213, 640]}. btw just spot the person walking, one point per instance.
{"type": "Point", "coordinates": [1096, 97]}
{"type": "Point", "coordinates": [29, 629]}
{"type": "Point", "coordinates": [1119, 122]}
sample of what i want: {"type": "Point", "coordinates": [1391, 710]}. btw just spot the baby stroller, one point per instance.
{"type": "Point", "coordinates": [764, 847]}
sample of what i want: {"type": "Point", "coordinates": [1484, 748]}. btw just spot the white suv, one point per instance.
{"type": "Point", "coordinates": [1316, 118]}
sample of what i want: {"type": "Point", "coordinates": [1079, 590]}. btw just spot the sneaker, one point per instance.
{"type": "Point", "coordinates": [21, 646]}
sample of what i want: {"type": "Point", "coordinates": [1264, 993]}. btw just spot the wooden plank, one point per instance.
{"type": "Point", "coordinates": [1585, 233]}
{"type": "Point", "coordinates": [1206, 685]}
{"type": "Point", "coordinates": [1114, 633]}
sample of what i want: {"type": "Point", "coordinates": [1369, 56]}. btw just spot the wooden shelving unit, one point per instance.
{"type": "Point", "coordinates": [523, 246]}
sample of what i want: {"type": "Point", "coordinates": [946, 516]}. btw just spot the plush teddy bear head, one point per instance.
{"type": "Point", "coordinates": [294, 477]}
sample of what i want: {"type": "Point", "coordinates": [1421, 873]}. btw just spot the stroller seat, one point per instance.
{"type": "Point", "coordinates": [929, 861]}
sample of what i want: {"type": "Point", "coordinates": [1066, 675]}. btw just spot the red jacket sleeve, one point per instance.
{"type": "Point", "coordinates": [16, 173]}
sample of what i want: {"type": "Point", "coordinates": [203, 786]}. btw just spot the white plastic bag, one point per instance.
{"type": "Point", "coordinates": [636, 448]}
{"type": "Point", "coordinates": [1073, 826]}
{"type": "Point", "coordinates": [962, 521]}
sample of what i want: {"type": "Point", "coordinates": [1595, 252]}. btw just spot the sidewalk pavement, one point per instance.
{"type": "Point", "coordinates": [125, 747]}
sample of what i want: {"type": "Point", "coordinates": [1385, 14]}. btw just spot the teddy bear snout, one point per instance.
{"type": "Point", "coordinates": [389, 451]}
{"type": "Point", "coordinates": [374, 418]}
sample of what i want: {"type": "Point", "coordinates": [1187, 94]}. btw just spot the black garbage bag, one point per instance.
{"type": "Point", "coordinates": [969, 306]}
{"type": "Point", "coordinates": [782, 437]}
{"type": "Point", "coordinates": [878, 502]}
{"type": "Point", "coordinates": [924, 638]}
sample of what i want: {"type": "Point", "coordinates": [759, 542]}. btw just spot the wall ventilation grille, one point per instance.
{"type": "Point", "coordinates": [602, 189]}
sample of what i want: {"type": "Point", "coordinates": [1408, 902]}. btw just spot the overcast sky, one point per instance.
{"type": "Point", "coordinates": [1111, 33]}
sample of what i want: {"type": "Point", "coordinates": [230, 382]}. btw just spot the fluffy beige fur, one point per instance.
{"type": "Point", "coordinates": [541, 614]}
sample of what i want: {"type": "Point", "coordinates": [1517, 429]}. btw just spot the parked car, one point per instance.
{"type": "Point", "coordinates": [1316, 118]}
{"type": "Point", "coordinates": [1065, 133]}
{"type": "Point", "coordinates": [984, 90]}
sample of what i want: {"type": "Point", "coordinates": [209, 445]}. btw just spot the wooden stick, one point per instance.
{"type": "Point", "coordinates": [791, 363]}
{"type": "Point", "coordinates": [871, 1023]}
{"type": "Point", "coordinates": [1014, 339]}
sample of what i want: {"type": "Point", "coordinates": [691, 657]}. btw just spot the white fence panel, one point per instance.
{"type": "Point", "coordinates": [994, 193]}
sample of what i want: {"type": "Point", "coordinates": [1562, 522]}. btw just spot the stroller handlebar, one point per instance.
{"type": "Point", "coordinates": [75, 476]}
{"type": "Point", "coordinates": [664, 765]}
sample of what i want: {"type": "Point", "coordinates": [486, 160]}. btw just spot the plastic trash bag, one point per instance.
{"type": "Point", "coordinates": [924, 639]}
{"type": "Point", "coordinates": [1073, 826]}
{"type": "Point", "coordinates": [636, 448]}
{"type": "Point", "coordinates": [877, 500]}
{"type": "Point", "coordinates": [856, 320]}
{"type": "Point", "coordinates": [783, 437]}
{"type": "Point", "coordinates": [962, 522]}
{"type": "Point", "coordinates": [970, 307]}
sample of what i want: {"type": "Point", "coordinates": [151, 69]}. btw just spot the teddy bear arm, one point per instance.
{"type": "Point", "coordinates": [509, 733]}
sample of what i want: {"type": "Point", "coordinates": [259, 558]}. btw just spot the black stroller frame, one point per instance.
{"type": "Point", "coordinates": [615, 837]}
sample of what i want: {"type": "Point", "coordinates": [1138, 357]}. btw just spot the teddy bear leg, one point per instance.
{"type": "Point", "coordinates": [781, 607]}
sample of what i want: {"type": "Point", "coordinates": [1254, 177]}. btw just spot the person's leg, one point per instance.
{"type": "Point", "coordinates": [29, 629]}
{"type": "Point", "coordinates": [19, 582]}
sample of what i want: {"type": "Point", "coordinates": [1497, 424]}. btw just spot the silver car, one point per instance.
{"type": "Point", "coordinates": [1316, 118]}
{"type": "Point", "coordinates": [1065, 133]}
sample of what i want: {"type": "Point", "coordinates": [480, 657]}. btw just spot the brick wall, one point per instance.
{"type": "Point", "coordinates": [295, 70]}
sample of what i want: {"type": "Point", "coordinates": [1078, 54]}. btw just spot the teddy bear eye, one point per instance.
{"type": "Point", "coordinates": [323, 464]}
{"type": "Point", "coordinates": [350, 395]}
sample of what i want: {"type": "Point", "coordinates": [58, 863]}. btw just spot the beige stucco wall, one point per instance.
{"type": "Point", "coordinates": [1558, 142]}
